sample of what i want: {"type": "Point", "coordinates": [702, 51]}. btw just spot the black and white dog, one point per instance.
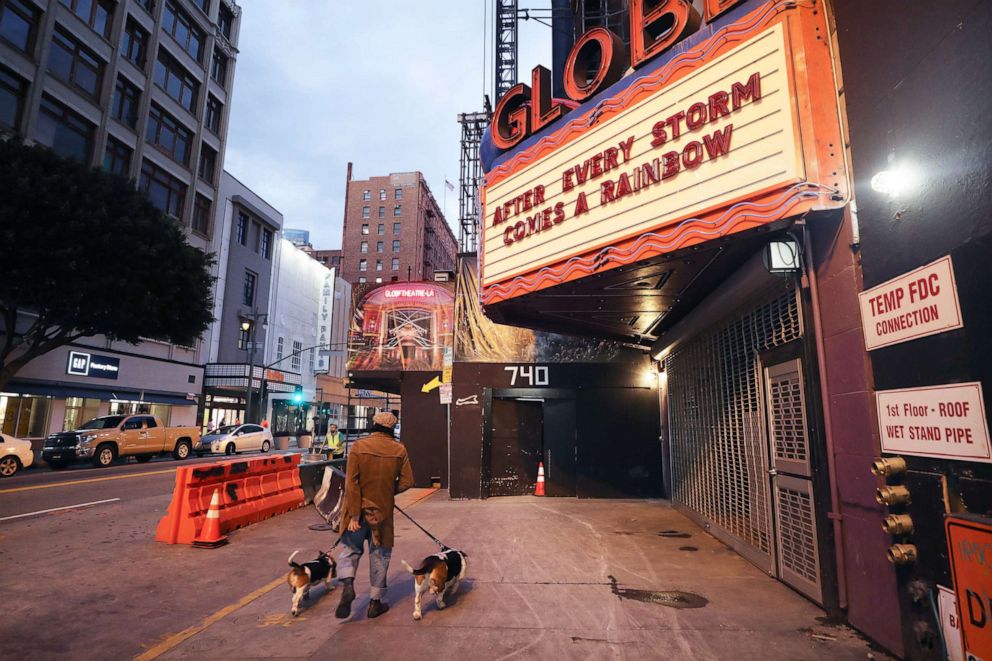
{"type": "Point", "coordinates": [440, 573]}
{"type": "Point", "coordinates": [302, 576]}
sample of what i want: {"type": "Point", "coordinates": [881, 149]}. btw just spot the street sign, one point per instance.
{"type": "Point", "coordinates": [914, 305]}
{"type": "Point", "coordinates": [969, 545]}
{"type": "Point", "coordinates": [447, 365]}
{"type": "Point", "coordinates": [445, 393]}
{"type": "Point", "coordinates": [946, 421]}
{"type": "Point", "coordinates": [948, 607]}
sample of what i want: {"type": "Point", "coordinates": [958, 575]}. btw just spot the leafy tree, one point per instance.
{"type": "Point", "coordinates": [83, 253]}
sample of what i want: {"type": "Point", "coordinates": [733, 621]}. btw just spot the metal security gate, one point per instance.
{"type": "Point", "coordinates": [795, 516]}
{"type": "Point", "coordinates": [724, 407]}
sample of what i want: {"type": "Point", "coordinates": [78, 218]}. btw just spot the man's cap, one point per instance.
{"type": "Point", "coordinates": [384, 419]}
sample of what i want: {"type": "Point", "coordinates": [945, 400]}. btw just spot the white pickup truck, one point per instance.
{"type": "Point", "coordinates": [103, 440]}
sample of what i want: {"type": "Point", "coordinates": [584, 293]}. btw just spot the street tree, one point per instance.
{"type": "Point", "coordinates": [83, 253]}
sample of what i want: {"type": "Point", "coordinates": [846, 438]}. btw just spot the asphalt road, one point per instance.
{"type": "Point", "coordinates": [39, 489]}
{"type": "Point", "coordinates": [91, 582]}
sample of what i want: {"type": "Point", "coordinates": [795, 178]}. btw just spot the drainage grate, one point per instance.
{"type": "Point", "coordinates": [719, 457]}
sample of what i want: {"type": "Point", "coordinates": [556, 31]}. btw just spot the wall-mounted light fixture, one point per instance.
{"type": "Point", "coordinates": [783, 256]}
{"type": "Point", "coordinates": [897, 181]}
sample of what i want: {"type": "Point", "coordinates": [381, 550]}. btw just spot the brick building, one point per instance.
{"type": "Point", "coordinates": [329, 258]}
{"type": "Point", "coordinates": [393, 230]}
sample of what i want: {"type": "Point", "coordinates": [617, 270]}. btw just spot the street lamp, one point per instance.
{"type": "Point", "coordinates": [249, 326]}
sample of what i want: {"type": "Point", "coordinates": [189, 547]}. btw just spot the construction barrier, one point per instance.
{"type": "Point", "coordinates": [251, 490]}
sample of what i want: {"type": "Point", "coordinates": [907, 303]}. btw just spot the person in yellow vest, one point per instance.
{"type": "Point", "coordinates": [335, 443]}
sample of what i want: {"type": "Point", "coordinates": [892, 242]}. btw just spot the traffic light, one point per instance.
{"type": "Point", "coordinates": [298, 395]}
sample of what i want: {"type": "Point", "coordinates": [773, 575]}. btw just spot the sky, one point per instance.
{"type": "Point", "coordinates": [379, 83]}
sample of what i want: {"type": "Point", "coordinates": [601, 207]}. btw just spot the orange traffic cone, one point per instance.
{"type": "Point", "coordinates": [539, 490]}
{"type": "Point", "coordinates": [210, 537]}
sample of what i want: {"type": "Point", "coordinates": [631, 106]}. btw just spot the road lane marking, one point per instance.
{"type": "Point", "coordinates": [95, 479]}
{"type": "Point", "coordinates": [59, 509]}
{"type": "Point", "coordinates": [177, 639]}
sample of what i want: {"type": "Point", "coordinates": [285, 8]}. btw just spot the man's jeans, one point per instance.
{"type": "Point", "coordinates": [351, 550]}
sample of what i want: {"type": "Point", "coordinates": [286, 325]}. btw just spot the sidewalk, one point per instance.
{"type": "Point", "coordinates": [548, 579]}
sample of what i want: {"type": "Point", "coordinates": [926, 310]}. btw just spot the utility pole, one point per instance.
{"type": "Point", "coordinates": [249, 325]}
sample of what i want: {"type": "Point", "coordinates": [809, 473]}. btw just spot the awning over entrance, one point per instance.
{"type": "Point", "coordinates": [62, 390]}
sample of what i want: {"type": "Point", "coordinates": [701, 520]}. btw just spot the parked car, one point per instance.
{"type": "Point", "coordinates": [235, 438]}
{"type": "Point", "coordinates": [15, 454]}
{"type": "Point", "coordinates": [102, 440]}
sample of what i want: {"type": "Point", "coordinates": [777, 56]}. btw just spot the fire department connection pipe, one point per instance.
{"type": "Point", "coordinates": [834, 514]}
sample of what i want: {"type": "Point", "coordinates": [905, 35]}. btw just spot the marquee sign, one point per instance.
{"type": "Point", "coordinates": [738, 130]}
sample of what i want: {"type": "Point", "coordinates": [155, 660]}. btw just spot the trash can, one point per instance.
{"type": "Point", "coordinates": [305, 440]}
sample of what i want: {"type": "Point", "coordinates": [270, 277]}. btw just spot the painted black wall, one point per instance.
{"type": "Point", "coordinates": [918, 91]}
{"type": "Point", "coordinates": [424, 425]}
{"type": "Point", "coordinates": [618, 453]}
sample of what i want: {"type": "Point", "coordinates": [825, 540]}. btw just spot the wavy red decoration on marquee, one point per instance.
{"type": "Point", "coordinates": [673, 239]}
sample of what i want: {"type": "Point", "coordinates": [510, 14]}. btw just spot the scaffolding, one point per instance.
{"type": "Point", "coordinates": [505, 54]}
{"type": "Point", "coordinates": [470, 174]}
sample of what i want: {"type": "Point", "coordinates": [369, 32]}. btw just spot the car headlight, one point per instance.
{"type": "Point", "coordinates": [87, 438]}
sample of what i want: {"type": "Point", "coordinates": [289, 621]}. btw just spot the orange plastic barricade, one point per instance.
{"type": "Point", "coordinates": [250, 490]}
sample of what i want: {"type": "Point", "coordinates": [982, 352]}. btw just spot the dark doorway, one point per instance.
{"type": "Point", "coordinates": [517, 446]}
{"type": "Point", "coordinates": [559, 447]}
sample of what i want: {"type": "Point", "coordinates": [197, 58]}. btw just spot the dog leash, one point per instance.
{"type": "Point", "coordinates": [444, 547]}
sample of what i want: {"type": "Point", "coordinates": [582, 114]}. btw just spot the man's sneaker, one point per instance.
{"type": "Point", "coordinates": [347, 596]}
{"type": "Point", "coordinates": [377, 608]}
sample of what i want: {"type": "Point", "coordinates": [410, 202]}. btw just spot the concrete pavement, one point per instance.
{"type": "Point", "coordinates": [549, 579]}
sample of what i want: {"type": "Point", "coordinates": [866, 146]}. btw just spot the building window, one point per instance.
{"type": "Point", "coordinates": [363, 265]}
{"type": "Point", "coordinates": [280, 342]}
{"type": "Point", "coordinates": [147, 5]}
{"type": "Point", "coordinates": [366, 196]}
{"type": "Point", "coordinates": [267, 243]}
{"type": "Point", "coordinates": [396, 245]}
{"type": "Point", "coordinates": [73, 64]}
{"type": "Point", "coordinates": [225, 21]}
{"type": "Point", "coordinates": [168, 135]}
{"type": "Point", "coordinates": [166, 192]}
{"type": "Point", "coordinates": [182, 28]}
{"type": "Point", "coordinates": [378, 246]}
{"type": "Point", "coordinates": [214, 110]}
{"type": "Point", "coordinates": [378, 265]}
{"type": "Point", "coordinates": [124, 107]}
{"type": "Point", "coordinates": [297, 359]}
{"type": "Point", "coordinates": [67, 133]}
{"type": "Point", "coordinates": [208, 164]}
{"type": "Point", "coordinates": [13, 91]}
{"type": "Point", "coordinates": [398, 210]}
{"type": "Point", "coordinates": [218, 68]}
{"type": "Point", "coordinates": [18, 24]}
{"type": "Point", "coordinates": [96, 14]}
{"type": "Point", "coordinates": [24, 417]}
{"type": "Point", "coordinates": [364, 247]}
{"type": "Point", "coordinates": [398, 194]}
{"type": "Point", "coordinates": [243, 228]}
{"type": "Point", "coordinates": [204, 5]}
{"type": "Point", "coordinates": [176, 81]}
{"type": "Point", "coordinates": [396, 263]}
{"type": "Point", "coordinates": [248, 292]}
{"type": "Point", "coordinates": [78, 411]}
{"type": "Point", "coordinates": [361, 280]}
{"type": "Point", "coordinates": [117, 157]}
{"type": "Point", "coordinates": [397, 228]}
{"type": "Point", "coordinates": [365, 212]}
{"type": "Point", "coordinates": [382, 213]}
{"type": "Point", "coordinates": [134, 44]}
{"type": "Point", "coordinates": [201, 215]}
{"type": "Point", "coordinates": [382, 193]}
{"type": "Point", "coordinates": [365, 229]}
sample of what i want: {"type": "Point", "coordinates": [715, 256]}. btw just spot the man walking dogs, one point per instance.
{"type": "Point", "coordinates": [378, 468]}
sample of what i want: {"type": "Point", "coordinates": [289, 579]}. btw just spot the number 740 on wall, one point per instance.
{"type": "Point", "coordinates": [530, 375]}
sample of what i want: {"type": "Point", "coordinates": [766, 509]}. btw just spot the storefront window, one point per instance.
{"type": "Point", "coordinates": [78, 411]}
{"type": "Point", "coordinates": [24, 417]}
{"type": "Point", "coordinates": [121, 407]}
{"type": "Point", "coordinates": [287, 417]}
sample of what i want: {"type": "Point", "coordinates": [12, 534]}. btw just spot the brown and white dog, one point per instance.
{"type": "Point", "coordinates": [302, 576]}
{"type": "Point", "coordinates": [440, 574]}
